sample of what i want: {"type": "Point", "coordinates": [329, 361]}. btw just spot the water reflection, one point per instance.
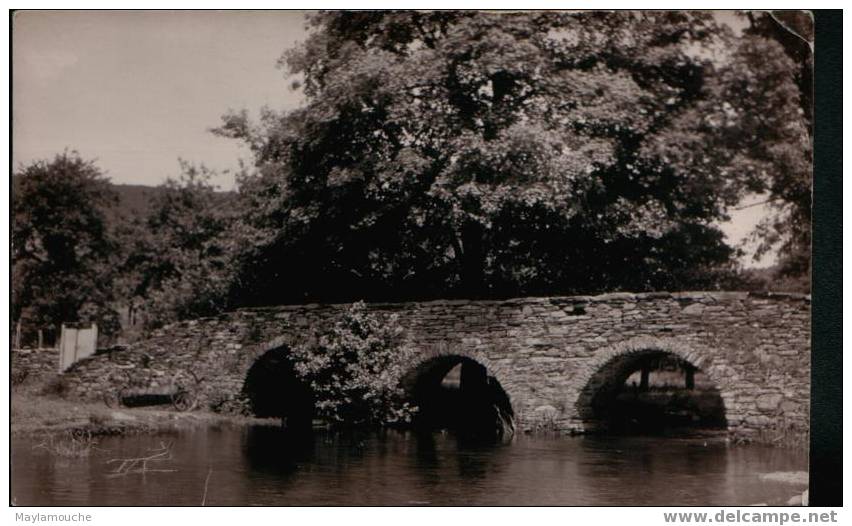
{"type": "Point", "coordinates": [268, 466]}
{"type": "Point", "coordinates": [270, 450]}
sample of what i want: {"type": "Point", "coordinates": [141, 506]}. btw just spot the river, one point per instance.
{"type": "Point", "coordinates": [263, 466]}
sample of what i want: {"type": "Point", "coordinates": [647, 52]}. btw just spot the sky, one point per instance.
{"type": "Point", "coordinates": [139, 90]}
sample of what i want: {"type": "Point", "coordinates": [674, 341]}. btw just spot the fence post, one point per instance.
{"type": "Point", "coordinates": [40, 339]}
{"type": "Point", "coordinates": [61, 347]}
{"type": "Point", "coordinates": [18, 335]}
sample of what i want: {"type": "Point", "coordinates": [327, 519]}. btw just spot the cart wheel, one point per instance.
{"type": "Point", "coordinates": [183, 401]}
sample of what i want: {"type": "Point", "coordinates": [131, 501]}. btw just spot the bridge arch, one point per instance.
{"type": "Point", "coordinates": [432, 353]}
{"type": "Point", "coordinates": [252, 353]}
{"type": "Point", "coordinates": [602, 379]}
{"type": "Point", "coordinates": [269, 380]}
{"type": "Point", "coordinates": [274, 390]}
{"type": "Point", "coordinates": [461, 389]}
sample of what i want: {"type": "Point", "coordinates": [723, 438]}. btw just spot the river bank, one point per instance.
{"type": "Point", "coordinates": [35, 414]}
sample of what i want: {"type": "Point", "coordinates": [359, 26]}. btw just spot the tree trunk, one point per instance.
{"type": "Point", "coordinates": [472, 264]}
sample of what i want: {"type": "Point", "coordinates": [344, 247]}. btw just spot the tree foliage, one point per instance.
{"type": "Point", "coordinates": [177, 257]}
{"type": "Point", "coordinates": [442, 154]}
{"type": "Point", "coordinates": [62, 252]}
{"type": "Point", "coordinates": [787, 136]}
{"type": "Point", "coordinates": [482, 154]}
{"type": "Point", "coordinates": [354, 369]}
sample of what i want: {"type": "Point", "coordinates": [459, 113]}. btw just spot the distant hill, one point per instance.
{"type": "Point", "coordinates": [134, 200]}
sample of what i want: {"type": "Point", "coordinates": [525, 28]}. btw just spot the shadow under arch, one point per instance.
{"type": "Point", "coordinates": [459, 393]}
{"type": "Point", "coordinates": [650, 390]}
{"type": "Point", "coordinates": [274, 390]}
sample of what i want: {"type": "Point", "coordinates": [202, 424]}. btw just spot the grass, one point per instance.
{"type": "Point", "coordinates": [35, 412]}
{"type": "Point", "coordinates": [31, 412]}
{"type": "Point", "coordinates": [68, 444]}
{"type": "Point", "coordinates": [784, 434]}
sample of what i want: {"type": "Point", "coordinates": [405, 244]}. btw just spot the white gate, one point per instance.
{"type": "Point", "coordinates": [76, 344]}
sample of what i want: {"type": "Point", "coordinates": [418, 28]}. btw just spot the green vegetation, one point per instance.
{"type": "Point", "coordinates": [354, 369]}
{"type": "Point", "coordinates": [453, 154]}
{"type": "Point", "coordinates": [491, 155]}
{"type": "Point", "coordinates": [61, 247]}
{"type": "Point", "coordinates": [790, 147]}
{"type": "Point", "coordinates": [175, 261]}
{"type": "Point", "coordinates": [59, 420]}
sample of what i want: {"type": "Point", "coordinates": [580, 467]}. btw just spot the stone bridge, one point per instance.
{"type": "Point", "coordinates": [550, 355]}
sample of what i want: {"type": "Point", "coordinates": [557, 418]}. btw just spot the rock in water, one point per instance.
{"type": "Point", "coordinates": [505, 425]}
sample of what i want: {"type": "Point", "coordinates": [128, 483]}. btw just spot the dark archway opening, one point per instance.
{"type": "Point", "coordinates": [274, 390]}
{"type": "Point", "coordinates": [457, 393]}
{"type": "Point", "coordinates": [651, 393]}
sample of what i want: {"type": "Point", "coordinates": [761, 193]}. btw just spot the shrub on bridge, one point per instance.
{"type": "Point", "coordinates": [354, 369]}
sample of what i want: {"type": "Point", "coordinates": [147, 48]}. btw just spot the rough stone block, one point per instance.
{"type": "Point", "coordinates": [768, 402]}
{"type": "Point", "coordinates": [693, 309]}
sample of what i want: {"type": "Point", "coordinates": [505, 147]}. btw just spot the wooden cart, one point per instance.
{"type": "Point", "coordinates": [180, 391]}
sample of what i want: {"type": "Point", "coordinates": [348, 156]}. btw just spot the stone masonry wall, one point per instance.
{"type": "Point", "coordinates": [34, 362]}
{"type": "Point", "coordinates": [545, 352]}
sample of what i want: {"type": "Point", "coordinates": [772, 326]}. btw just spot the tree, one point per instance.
{"type": "Point", "coordinates": [481, 154]}
{"type": "Point", "coordinates": [177, 258]}
{"type": "Point", "coordinates": [788, 153]}
{"type": "Point", "coordinates": [61, 248]}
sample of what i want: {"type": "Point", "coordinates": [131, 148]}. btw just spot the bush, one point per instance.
{"type": "Point", "coordinates": [72, 443]}
{"type": "Point", "coordinates": [354, 369]}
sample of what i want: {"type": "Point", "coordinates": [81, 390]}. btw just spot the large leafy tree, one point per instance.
{"type": "Point", "coordinates": [176, 257]}
{"type": "Point", "coordinates": [481, 154]}
{"type": "Point", "coordinates": [62, 252]}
